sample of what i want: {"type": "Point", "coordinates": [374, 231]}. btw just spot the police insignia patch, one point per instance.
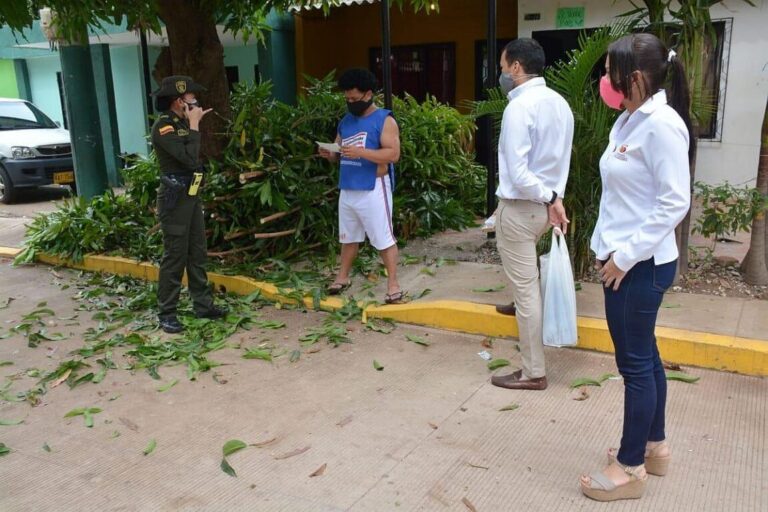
{"type": "Point", "coordinates": [165, 130]}
{"type": "Point", "coordinates": [181, 86]}
{"type": "Point", "coordinates": [181, 132]}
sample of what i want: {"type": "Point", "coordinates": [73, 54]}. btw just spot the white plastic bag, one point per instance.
{"type": "Point", "coordinates": [558, 293]}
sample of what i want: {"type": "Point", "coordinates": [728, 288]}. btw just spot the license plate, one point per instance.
{"type": "Point", "coordinates": [64, 177]}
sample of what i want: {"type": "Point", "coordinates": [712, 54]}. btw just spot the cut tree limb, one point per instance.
{"type": "Point", "coordinates": [276, 234]}
{"type": "Point", "coordinates": [221, 254]}
{"type": "Point", "coordinates": [279, 215]}
{"type": "Point", "coordinates": [245, 176]}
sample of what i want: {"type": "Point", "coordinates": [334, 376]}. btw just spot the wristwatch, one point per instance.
{"type": "Point", "coordinates": [554, 197]}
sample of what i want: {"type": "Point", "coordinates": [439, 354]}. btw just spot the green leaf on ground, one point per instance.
{"type": "Point", "coordinates": [428, 271]}
{"type": "Point", "coordinates": [295, 356]}
{"type": "Point", "coordinates": [417, 339]}
{"type": "Point", "coordinates": [4, 450]}
{"type": "Point", "coordinates": [377, 366]}
{"type": "Point", "coordinates": [584, 381]}
{"type": "Point", "coordinates": [269, 324]}
{"type": "Point", "coordinates": [166, 387]}
{"type": "Point", "coordinates": [489, 289]}
{"type": "Point", "coordinates": [410, 260]}
{"type": "Point", "coordinates": [46, 447]}
{"type": "Point", "coordinates": [510, 407]}
{"type": "Point", "coordinates": [258, 353]}
{"type": "Point", "coordinates": [225, 467]}
{"type": "Point", "coordinates": [232, 446]}
{"type": "Point", "coordinates": [670, 306]}
{"type": "Point", "coordinates": [6, 423]}
{"type": "Point", "coordinates": [682, 377]}
{"type": "Point", "coordinates": [382, 325]}
{"type": "Point", "coordinates": [578, 287]}
{"type": "Point", "coordinates": [440, 261]}
{"type": "Point", "coordinates": [497, 363]}
{"type": "Point", "coordinates": [423, 293]}
{"type": "Point", "coordinates": [86, 413]}
{"type": "Point", "coordinates": [150, 447]}
{"type": "Point", "coordinates": [6, 363]}
{"type": "Point", "coordinates": [604, 377]}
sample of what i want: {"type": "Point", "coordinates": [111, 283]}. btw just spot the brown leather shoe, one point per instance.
{"type": "Point", "coordinates": [512, 381]}
{"type": "Point", "coordinates": [507, 309]}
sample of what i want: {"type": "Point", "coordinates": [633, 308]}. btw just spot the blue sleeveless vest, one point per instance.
{"type": "Point", "coordinates": [360, 174]}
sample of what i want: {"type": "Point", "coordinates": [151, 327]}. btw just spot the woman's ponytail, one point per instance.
{"type": "Point", "coordinates": [679, 96]}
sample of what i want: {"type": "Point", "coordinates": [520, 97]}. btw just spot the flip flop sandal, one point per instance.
{"type": "Point", "coordinates": [337, 288]}
{"type": "Point", "coordinates": [395, 298]}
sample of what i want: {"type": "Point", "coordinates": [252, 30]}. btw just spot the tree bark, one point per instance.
{"type": "Point", "coordinates": [755, 263]}
{"type": "Point", "coordinates": [685, 226]}
{"type": "Point", "coordinates": [762, 170]}
{"type": "Point", "coordinates": [195, 50]}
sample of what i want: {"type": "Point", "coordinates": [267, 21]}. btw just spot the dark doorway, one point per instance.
{"type": "Point", "coordinates": [420, 70]}
{"type": "Point", "coordinates": [233, 76]}
{"type": "Point", "coordinates": [557, 43]}
{"type": "Point", "coordinates": [481, 66]}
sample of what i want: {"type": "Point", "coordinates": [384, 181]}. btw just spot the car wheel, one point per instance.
{"type": "Point", "coordinates": [7, 190]}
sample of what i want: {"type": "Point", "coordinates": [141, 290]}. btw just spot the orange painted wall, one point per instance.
{"type": "Point", "coordinates": [343, 39]}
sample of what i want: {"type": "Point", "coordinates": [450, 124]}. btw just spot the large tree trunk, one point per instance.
{"type": "Point", "coordinates": [684, 232]}
{"type": "Point", "coordinates": [195, 50]}
{"type": "Point", "coordinates": [755, 262]}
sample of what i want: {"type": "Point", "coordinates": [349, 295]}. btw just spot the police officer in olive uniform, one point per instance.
{"type": "Point", "coordinates": [176, 140]}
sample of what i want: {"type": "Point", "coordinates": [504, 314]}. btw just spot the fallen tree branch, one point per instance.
{"type": "Point", "coordinates": [245, 176]}
{"type": "Point", "coordinates": [221, 254]}
{"type": "Point", "coordinates": [279, 215]}
{"type": "Point", "coordinates": [276, 234]}
{"type": "Point", "coordinates": [240, 234]}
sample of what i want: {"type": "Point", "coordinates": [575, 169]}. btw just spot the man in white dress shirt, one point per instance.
{"type": "Point", "coordinates": [534, 158]}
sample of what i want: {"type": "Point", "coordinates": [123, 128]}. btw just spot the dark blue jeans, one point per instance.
{"type": "Point", "coordinates": [631, 314]}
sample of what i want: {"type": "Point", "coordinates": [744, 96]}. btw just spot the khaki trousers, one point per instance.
{"type": "Point", "coordinates": [520, 224]}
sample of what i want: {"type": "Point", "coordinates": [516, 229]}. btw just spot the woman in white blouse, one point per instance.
{"type": "Point", "coordinates": [646, 193]}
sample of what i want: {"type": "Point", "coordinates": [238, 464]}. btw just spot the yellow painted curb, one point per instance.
{"type": "Point", "coordinates": [9, 252]}
{"type": "Point", "coordinates": [731, 353]}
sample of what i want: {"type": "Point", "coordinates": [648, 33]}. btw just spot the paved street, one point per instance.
{"type": "Point", "coordinates": [424, 433]}
{"type": "Point", "coordinates": [13, 217]}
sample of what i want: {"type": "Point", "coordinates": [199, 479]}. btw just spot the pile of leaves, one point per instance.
{"type": "Point", "coordinates": [271, 195]}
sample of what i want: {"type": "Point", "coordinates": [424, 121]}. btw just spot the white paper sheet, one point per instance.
{"type": "Point", "coordinates": [329, 146]}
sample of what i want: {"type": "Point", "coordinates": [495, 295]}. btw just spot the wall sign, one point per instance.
{"type": "Point", "coordinates": [570, 17]}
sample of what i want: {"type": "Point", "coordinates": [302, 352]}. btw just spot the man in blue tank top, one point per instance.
{"type": "Point", "coordinates": [370, 145]}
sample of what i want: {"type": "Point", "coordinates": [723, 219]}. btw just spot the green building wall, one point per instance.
{"type": "Point", "coordinates": [8, 87]}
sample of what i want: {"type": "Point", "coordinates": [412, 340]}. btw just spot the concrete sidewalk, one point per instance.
{"type": "Point", "coordinates": [702, 330]}
{"type": "Point", "coordinates": [421, 435]}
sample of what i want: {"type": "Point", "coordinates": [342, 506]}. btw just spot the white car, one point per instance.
{"type": "Point", "coordinates": [34, 150]}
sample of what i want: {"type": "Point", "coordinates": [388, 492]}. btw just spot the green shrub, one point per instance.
{"type": "Point", "coordinates": [726, 209]}
{"type": "Point", "coordinates": [271, 195]}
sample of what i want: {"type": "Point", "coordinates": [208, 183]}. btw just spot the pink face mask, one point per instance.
{"type": "Point", "coordinates": [611, 96]}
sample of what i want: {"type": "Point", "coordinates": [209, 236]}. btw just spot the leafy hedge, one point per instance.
{"type": "Point", "coordinates": [271, 195]}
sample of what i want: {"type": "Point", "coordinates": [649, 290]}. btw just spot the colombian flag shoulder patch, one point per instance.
{"type": "Point", "coordinates": [165, 130]}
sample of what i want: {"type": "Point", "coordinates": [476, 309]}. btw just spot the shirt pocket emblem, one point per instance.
{"type": "Point", "coordinates": [621, 152]}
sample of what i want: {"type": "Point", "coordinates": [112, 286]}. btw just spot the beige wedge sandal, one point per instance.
{"type": "Point", "coordinates": [601, 488]}
{"type": "Point", "coordinates": [655, 463]}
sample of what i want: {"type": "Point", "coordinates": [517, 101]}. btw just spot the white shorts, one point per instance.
{"type": "Point", "coordinates": [367, 212]}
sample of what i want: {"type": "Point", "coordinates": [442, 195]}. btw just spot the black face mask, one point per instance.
{"type": "Point", "coordinates": [357, 108]}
